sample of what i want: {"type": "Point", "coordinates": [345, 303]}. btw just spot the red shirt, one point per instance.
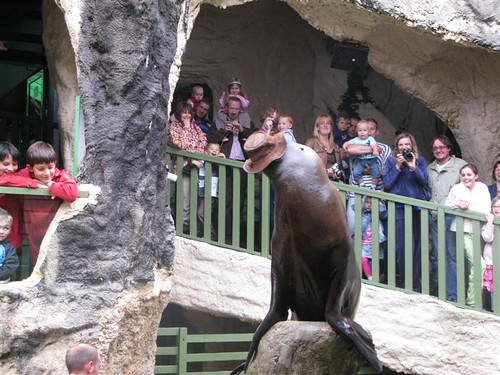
{"type": "Point", "coordinates": [40, 210]}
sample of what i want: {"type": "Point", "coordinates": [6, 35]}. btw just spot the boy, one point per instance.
{"type": "Point", "coordinates": [212, 149]}
{"type": "Point", "coordinates": [196, 97]}
{"type": "Point", "coordinates": [285, 123]}
{"type": "Point", "coordinates": [8, 257]}
{"type": "Point", "coordinates": [9, 155]}
{"type": "Point", "coordinates": [40, 210]}
{"type": "Point", "coordinates": [363, 160]}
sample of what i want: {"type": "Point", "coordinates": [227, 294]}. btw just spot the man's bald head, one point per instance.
{"type": "Point", "coordinates": [83, 359]}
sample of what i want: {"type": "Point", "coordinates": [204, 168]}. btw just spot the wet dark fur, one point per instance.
{"type": "Point", "coordinates": [313, 268]}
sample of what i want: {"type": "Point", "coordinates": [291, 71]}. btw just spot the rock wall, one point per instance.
{"type": "Point", "coordinates": [104, 274]}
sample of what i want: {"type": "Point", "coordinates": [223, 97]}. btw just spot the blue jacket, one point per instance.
{"type": "Point", "coordinates": [493, 190]}
{"type": "Point", "coordinates": [366, 219]}
{"type": "Point", "coordinates": [405, 182]}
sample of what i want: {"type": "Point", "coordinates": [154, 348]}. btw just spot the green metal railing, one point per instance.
{"type": "Point", "coordinates": [183, 355]}
{"type": "Point", "coordinates": [256, 219]}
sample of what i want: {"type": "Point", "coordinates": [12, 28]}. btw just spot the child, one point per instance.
{"type": "Point", "coordinates": [234, 88]}
{"type": "Point", "coordinates": [8, 257]}
{"type": "Point", "coordinates": [212, 149]}
{"type": "Point", "coordinates": [40, 210]}
{"type": "Point", "coordinates": [285, 123]}
{"type": "Point", "coordinates": [365, 139]}
{"type": "Point", "coordinates": [366, 232]}
{"type": "Point", "coordinates": [472, 195]}
{"type": "Point", "coordinates": [487, 232]}
{"type": "Point", "coordinates": [196, 97]}
{"type": "Point", "coordinates": [9, 155]}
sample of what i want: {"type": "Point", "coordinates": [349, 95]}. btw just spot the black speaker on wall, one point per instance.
{"type": "Point", "coordinates": [350, 56]}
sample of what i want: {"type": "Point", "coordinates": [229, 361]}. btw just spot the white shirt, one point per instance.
{"type": "Point", "coordinates": [478, 199]}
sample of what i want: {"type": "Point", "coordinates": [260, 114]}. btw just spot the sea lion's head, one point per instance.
{"type": "Point", "coordinates": [262, 149]}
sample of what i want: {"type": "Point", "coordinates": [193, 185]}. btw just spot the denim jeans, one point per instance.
{"type": "Point", "coordinates": [450, 253]}
{"type": "Point", "coordinates": [416, 249]}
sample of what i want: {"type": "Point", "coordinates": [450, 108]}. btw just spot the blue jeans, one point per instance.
{"type": "Point", "coordinates": [451, 257]}
{"type": "Point", "coordinates": [416, 249]}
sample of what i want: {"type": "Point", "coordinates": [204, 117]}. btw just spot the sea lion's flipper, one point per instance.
{"type": "Point", "coordinates": [238, 369]}
{"type": "Point", "coordinates": [278, 311]}
{"type": "Point", "coordinates": [358, 336]}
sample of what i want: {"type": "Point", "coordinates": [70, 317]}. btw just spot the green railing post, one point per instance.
{"type": "Point", "coordinates": [183, 350]}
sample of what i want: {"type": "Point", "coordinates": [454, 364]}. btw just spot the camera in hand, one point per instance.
{"type": "Point", "coordinates": [407, 155]}
{"type": "Point", "coordinates": [335, 170]}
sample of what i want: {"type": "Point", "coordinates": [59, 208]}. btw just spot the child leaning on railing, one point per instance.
{"type": "Point", "coordinates": [487, 232]}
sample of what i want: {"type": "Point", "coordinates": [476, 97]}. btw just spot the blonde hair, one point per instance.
{"type": "Point", "coordinates": [287, 116]}
{"type": "Point", "coordinates": [4, 215]}
{"type": "Point", "coordinates": [319, 119]}
{"type": "Point", "coordinates": [413, 144]}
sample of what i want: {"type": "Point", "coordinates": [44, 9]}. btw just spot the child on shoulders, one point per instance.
{"type": "Point", "coordinates": [364, 160]}
{"type": "Point", "coordinates": [234, 88]}
{"type": "Point", "coordinates": [196, 97]}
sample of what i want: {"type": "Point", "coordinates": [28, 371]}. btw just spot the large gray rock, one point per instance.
{"type": "Point", "coordinates": [297, 348]}
{"type": "Point", "coordinates": [412, 333]}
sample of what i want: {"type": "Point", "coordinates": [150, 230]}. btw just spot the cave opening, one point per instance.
{"type": "Point", "coordinates": [283, 61]}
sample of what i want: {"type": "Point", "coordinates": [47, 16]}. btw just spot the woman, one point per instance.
{"type": "Point", "coordinates": [469, 195]}
{"type": "Point", "coordinates": [186, 135]}
{"type": "Point", "coordinates": [329, 153]}
{"type": "Point", "coordinates": [405, 174]}
{"type": "Point", "coordinates": [494, 188]}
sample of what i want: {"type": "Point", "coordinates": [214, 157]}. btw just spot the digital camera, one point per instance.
{"type": "Point", "coordinates": [335, 170]}
{"type": "Point", "coordinates": [407, 155]}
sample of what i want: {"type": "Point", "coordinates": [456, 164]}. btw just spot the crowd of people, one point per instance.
{"type": "Point", "coordinates": [351, 153]}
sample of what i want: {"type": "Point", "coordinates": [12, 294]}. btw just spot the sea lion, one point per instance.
{"type": "Point", "coordinates": [313, 267]}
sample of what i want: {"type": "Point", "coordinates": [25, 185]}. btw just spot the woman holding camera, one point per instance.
{"type": "Point", "coordinates": [329, 153]}
{"type": "Point", "coordinates": [405, 173]}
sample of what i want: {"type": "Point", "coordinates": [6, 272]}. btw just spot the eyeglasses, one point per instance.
{"type": "Point", "coordinates": [495, 206]}
{"type": "Point", "coordinates": [438, 148]}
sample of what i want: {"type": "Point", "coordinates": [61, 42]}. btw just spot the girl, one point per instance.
{"type": "Point", "coordinates": [405, 174]}
{"type": "Point", "coordinates": [234, 88]}
{"type": "Point", "coordinates": [472, 195]}
{"type": "Point", "coordinates": [487, 232]}
{"type": "Point", "coordinates": [366, 231]}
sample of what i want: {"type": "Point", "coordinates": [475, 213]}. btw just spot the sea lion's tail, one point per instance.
{"type": "Point", "coordinates": [359, 337]}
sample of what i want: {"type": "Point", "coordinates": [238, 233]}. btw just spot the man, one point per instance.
{"type": "Point", "coordinates": [354, 150]}
{"type": "Point", "coordinates": [232, 128]}
{"type": "Point", "coordinates": [83, 359]}
{"type": "Point", "coordinates": [444, 172]}
{"type": "Point", "coordinates": [200, 116]}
